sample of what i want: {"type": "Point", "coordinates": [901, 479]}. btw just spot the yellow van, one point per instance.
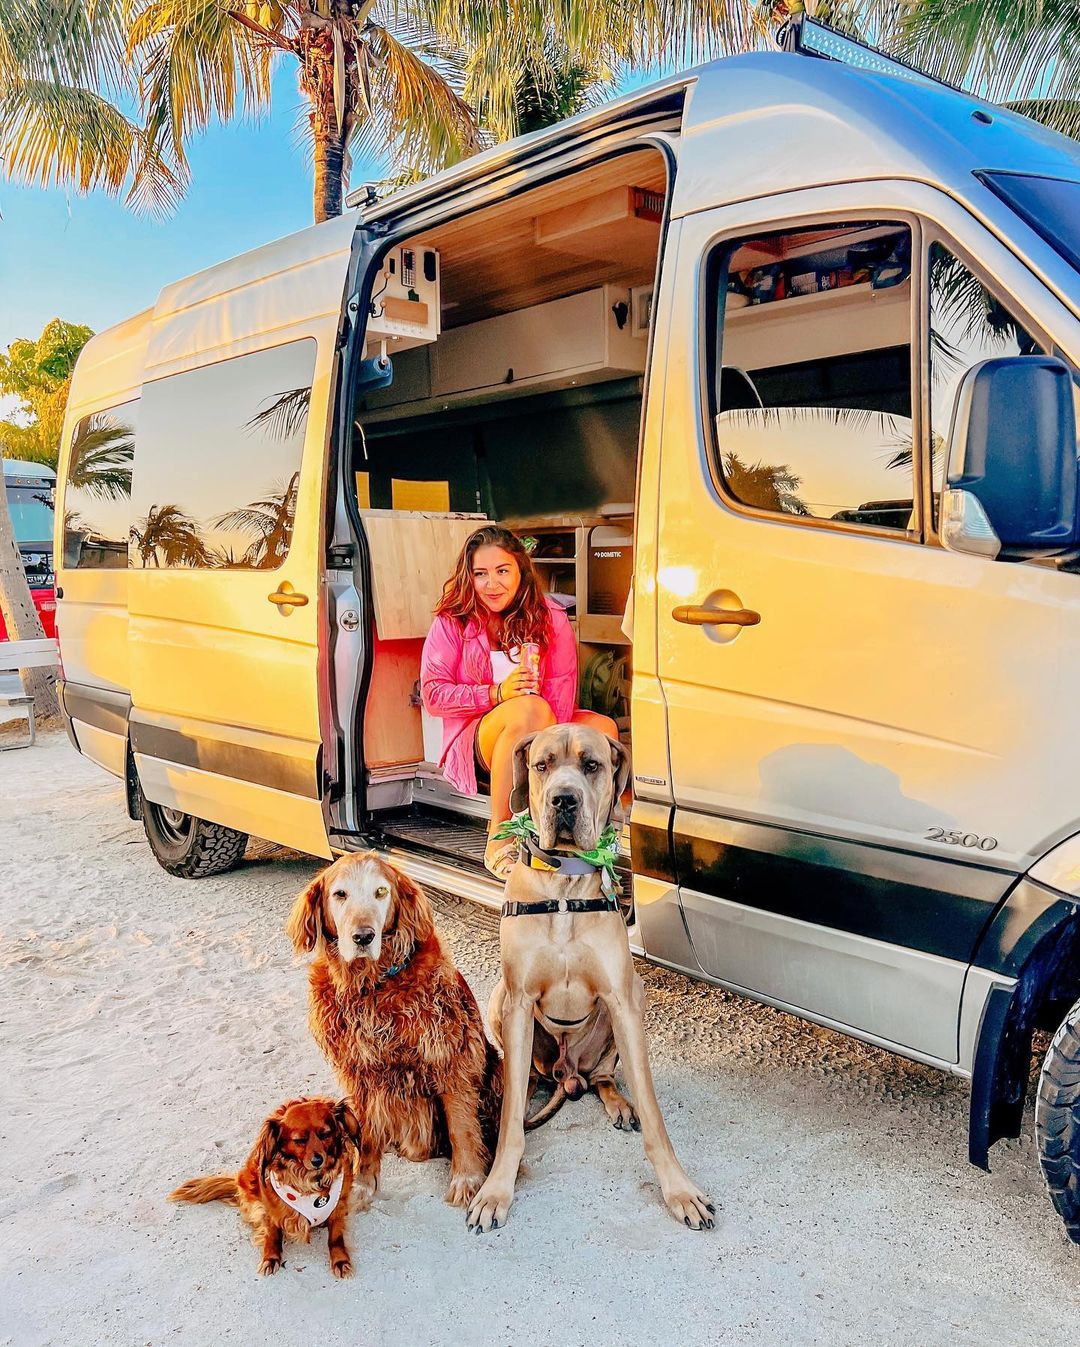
{"type": "Point", "coordinates": [784, 346]}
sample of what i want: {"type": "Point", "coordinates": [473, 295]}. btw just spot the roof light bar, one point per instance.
{"type": "Point", "coordinates": [810, 37]}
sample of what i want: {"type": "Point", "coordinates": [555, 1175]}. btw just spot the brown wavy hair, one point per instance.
{"type": "Point", "coordinates": [526, 619]}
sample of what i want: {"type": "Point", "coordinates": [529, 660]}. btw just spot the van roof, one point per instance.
{"type": "Point", "coordinates": [801, 122]}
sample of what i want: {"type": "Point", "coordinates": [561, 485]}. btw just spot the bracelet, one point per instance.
{"type": "Point", "coordinates": [498, 694]}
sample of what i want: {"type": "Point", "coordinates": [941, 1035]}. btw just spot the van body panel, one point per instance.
{"type": "Point", "coordinates": [91, 615]}
{"type": "Point", "coordinates": [875, 703]}
{"type": "Point", "coordinates": [216, 662]}
{"type": "Point", "coordinates": [225, 681]}
{"type": "Point", "coordinates": [258, 299]}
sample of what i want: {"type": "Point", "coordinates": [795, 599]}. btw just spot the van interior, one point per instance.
{"type": "Point", "coordinates": [518, 336]}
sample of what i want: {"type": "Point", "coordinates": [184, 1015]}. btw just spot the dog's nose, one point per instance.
{"type": "Point", "coordinates": [364, 936]}
{"type": "Point", "coordinates": [565, 802]}
{"type": "Point", "coordinates": [316, 1161]}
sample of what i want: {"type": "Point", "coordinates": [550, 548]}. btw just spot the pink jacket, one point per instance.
{"type": "Point", "coordinates": [455, 674]}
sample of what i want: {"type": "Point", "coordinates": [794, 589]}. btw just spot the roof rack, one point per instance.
{"type": "Point", "coordinates": [811, 37]}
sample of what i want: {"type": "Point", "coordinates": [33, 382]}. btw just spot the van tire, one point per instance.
{"type": "Point", "coordinates": [188, 846]}
{"type": "Point", "coordinates": [1057, 1121]}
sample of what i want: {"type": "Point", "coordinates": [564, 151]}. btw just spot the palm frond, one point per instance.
{"type": "Point", "coordinates": [54, 134]}
{"type": "Point", "coordinates": [418, 115]}
{"type": "Point", "coordinates": [286, 415]}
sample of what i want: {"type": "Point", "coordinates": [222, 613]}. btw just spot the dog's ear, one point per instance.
{"type": "Point", "coordinates": [348, 1121]}
{"type": "Point", "coordinates": [412, 921]}
{"type": "Point", "coordinates": [620, 766]}
{"type": "Point", "coordinates": [304, 926]}
{"type": "Point", "coordinates": [519, 791]}
{"type": "Point", "coordinates": [266, 1142]}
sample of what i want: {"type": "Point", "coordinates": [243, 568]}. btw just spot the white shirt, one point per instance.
{"type": "Point", "coordinates": [503, 665]}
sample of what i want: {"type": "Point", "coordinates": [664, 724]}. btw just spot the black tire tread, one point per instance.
{"type": "Point", "coordinates": [214, 850]}
{"type": "Point", "coordinates": [1057, 1121]}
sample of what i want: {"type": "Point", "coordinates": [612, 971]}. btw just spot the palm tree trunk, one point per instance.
{"type": "Point", "coordinates": [329, 169]}
{"type": "Point", "coordinates": [20, 615]}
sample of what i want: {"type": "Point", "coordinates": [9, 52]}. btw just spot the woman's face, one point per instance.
{"type": "Point", "coordinates": [496, 576]}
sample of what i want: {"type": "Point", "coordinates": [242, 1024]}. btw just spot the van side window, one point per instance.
{"type": "Point", "coordinates": [218, 467]}
{"type": "Point", "coordinates": [810, 373]}
{"type": "Point", "coordinates": [97, 494]}
{"type": "Point", "coordinates": [968, 324]}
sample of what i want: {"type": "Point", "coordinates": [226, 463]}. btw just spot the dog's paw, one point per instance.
{"type": "Point", "coordinates": [689, 1205]}
{"type": "Point", "coordinates": [269, 1266]}
{"type": "Point", "coordinates": [463, 1188]}
{"type": "Point", "coordinates": [341, 1265]}
{"type": "Point", "coordinates": [363, 1193]}
{"type": "Point", "coordinates": [622, 1115]}
{"type": "Point", "coordinates": [489, 1208]}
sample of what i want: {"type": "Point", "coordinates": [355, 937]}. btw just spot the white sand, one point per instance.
{"type": "Point", "coordinates": [147, 1025]}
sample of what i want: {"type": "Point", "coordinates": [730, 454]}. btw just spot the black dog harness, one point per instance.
{"type": "Point", "coordinates": [536, 858]}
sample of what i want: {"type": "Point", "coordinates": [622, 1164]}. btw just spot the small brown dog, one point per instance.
{"type": "Point", "coordinates": [398, 1023]}
{"type": "Point", "coordinates": [296, 1178]}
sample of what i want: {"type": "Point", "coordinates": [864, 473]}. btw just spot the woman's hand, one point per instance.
{"type": "Point", "coordinates": [521, 683]}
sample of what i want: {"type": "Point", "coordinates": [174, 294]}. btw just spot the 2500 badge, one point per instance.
{"type": "Point", "coordinates": [954, 838]}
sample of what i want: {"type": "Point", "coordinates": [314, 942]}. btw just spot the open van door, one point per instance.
{"type": "Point", "coordinates": [227, 620]}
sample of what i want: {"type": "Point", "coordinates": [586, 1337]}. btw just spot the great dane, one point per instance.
{"type": "Point", "coordinates": [570, 1002]}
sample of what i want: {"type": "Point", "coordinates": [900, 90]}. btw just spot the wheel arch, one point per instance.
{"type": "Point", "coordinates": [1035, 939]}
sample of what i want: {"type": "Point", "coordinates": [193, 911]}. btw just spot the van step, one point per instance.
{"type": "Point", "coordinates": [461, 839]}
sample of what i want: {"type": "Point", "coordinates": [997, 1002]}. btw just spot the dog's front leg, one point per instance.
{"type": "Point", "coordinates": [366, 1168]}
{"type": "Point", "coordinates": [488, 1209]}
{"type": "Point", "coordinates": [268, 1241]}
{"type": "Point", "coordinates": [340, 1262]}
{"type": "Point", "coordinates": [461, 1105]}
{"type": "Point", "coordinates": [685, 1200]}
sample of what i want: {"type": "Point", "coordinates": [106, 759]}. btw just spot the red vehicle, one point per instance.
{"type": "Point", "coordinates": [31, 494]}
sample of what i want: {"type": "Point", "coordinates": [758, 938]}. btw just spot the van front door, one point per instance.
{"type": "Point", "coordinates": [227, 615]}
{"type": "Point", "coordinates": [846, 750]}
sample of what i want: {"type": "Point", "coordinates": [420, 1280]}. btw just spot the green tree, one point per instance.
{"type": "Point", "coordinates": [39, 373]}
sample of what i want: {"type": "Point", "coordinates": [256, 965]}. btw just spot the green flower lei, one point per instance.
{"type": "Point", "coordinates": [603, 855]}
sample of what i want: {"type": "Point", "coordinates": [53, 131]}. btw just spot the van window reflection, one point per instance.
{"type": "Point", "coordinates": [97, 495]}
{"type": "Point", "coordinates": [218, 471]}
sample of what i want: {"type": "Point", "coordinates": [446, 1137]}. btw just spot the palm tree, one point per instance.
{"type": "Point", "coordinates": [101, 458]}
{"type": "Point", "coordinates": [374, 76]}
{"type": "Point", "coordinates": [62, 79]}
{"type": "Point", "coordinates": [271, 520]}
{"type": "Point", "coordinates": [167, 536]}
{"type": "Point", "coordinates": [765, 486]}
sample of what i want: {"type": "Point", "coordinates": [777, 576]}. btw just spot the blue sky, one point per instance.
{"type": "Point", "coordinates": [90, 260]}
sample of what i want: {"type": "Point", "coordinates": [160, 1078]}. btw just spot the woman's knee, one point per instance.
{"type": "Point", "coordinates": [525, 714]}
{"type": "Point", "coordinates": [596, 721]}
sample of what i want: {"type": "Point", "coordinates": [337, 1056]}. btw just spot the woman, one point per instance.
{"type": "Point", "coordinates": [472, 677]}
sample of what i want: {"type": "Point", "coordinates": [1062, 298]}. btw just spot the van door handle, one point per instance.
{"type": "Point", "coordinates": [715, 617]}
{"type": "Point", "coordinates": [287, 598]}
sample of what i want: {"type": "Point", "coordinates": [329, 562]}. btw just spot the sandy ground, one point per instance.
{"type": "Point", "coordinates": [147, 1024]}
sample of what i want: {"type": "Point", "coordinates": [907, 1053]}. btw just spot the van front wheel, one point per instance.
{"type": "Point", "coordinates": [1057, 1121]}
{"type": "Point", "coordinates": [188, 846]}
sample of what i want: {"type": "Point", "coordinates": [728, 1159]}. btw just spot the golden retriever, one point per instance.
{"type": "Point", "coordinates": [398, 1023]}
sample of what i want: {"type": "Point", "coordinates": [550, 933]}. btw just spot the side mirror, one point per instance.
{"type": "Point", "coordinates": [1011, 474]}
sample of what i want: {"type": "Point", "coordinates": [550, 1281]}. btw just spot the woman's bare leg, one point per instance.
{"type": "Point", "coordinates": [496, 736]}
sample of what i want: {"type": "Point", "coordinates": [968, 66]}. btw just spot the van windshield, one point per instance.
{"type": "Point", "coordinates": [1051, 206]}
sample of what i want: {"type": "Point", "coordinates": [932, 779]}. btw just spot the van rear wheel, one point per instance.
{"type": "Point", "coordinates": [188, 846]}
{"type": "Point", "coordinates": [1057, 1121]}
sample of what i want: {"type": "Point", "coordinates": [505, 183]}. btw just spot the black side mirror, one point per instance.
{"type": "Point", "coordinates": [1012, 462]}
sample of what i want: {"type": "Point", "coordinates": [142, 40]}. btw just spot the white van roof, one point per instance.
{"type": "Point", "coordinates": [799, 122]}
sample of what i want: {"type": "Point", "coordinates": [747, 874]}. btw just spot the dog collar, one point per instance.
{"type": "Point", "coordinates": [547, 906]}
{"type": "Point", "coordinates": [317, 1207]}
